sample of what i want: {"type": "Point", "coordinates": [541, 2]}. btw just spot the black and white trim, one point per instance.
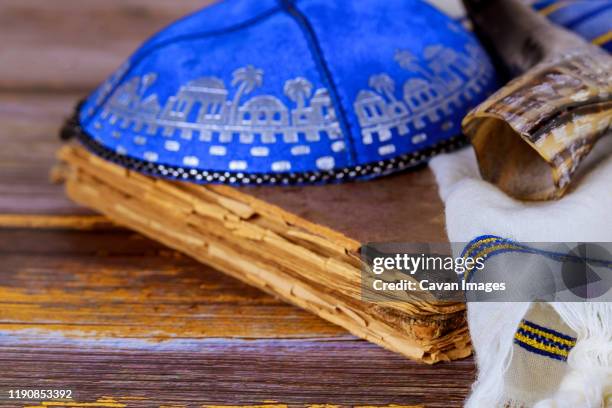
{"type": "Point", "coordinates": [72, 128]}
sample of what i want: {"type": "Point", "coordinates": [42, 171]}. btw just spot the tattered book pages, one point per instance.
{"type": "Point", "coordinates": [300, 244]}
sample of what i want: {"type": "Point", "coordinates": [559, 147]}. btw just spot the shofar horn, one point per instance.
{"type": "Point", "coordinates": [532, 134]}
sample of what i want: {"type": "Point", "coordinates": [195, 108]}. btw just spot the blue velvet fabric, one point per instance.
{"type": "Point", "coordinates": [267, 87]}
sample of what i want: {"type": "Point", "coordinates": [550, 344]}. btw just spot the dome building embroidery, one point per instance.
{"type": "Point", "coordinates": [448, 79]}
{"type": "Point", "coordinates": [203, 108]}
{"type": "Point", "coordinates": [206, 110]}
{"type": "Point", "coordinates": [200, 101]}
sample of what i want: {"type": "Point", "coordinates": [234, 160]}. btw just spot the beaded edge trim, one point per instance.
{"type": "Point", "coordinates": [72, 128]}
{"type": "Point", "coordinates": [543, 341]}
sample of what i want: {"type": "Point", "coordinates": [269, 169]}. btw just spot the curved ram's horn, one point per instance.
{"type": "Point", "coordinates": [532, 134]}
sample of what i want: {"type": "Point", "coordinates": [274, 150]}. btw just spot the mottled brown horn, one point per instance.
{"type": "Point", "coordinates": [532, 134]}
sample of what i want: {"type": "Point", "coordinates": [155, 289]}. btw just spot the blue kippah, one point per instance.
{"type": "Point", "coordinates": [285, 92]}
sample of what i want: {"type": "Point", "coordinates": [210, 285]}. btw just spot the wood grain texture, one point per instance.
{"type": "Point", "coordinates": [113, 314]}
{"type": "Point", "coordinates": [70, 45]}
{"type": "Point", "coordinates": [404, 207]}
{"type": "Point", "coordinates": [116, 283]}
{"type": "Point", "coordinates": [79, 222]}
{"type": "Point", "coordinates": [122, 320]}
{"type": "Point", "coordinates": [271, 249]}
{"type": "Point", "coordinates": [198, 372]}
{"type": "Point", "coordinates": [28, 134]}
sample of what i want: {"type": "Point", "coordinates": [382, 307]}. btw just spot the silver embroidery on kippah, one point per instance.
{"type": "Point", "coordinates": [445, 77]}
{"type": "Point", "coordinates": [205, 109]}
{"type": "Point", "coordinates": [202, 108]}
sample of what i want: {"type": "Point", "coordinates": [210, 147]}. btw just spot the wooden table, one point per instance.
{"type": "Point", "coordinates": [120, 320]}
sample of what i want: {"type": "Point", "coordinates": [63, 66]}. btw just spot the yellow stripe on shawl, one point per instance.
{"type": "Point", "coordinates": [604, 38]}
{"type": "Point", "coordinates": [550, 336]}
{"type": "Point", "coordinates": [540, 346]}
{"type": "Point", "coordinates": [553, 7]}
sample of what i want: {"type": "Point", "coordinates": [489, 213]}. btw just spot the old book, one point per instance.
{"type": "Point", "coordinates": [298, 243]}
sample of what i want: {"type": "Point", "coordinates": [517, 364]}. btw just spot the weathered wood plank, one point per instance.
{"type": "Point", "coordinates": [307, 277]}
{"type": "Point", "coordinates": [68, 45]}
{"type": "Point", "coordinates": [196, 372]}
{"type": "Point", "coordinates": [110, 313]}
{"type": "Point", "coordinates": [80, 222]}
{"type": "Point", "coordinates": [117, 284]}
{"type": "Point", "coordinates": [404, 207]}
{"type": "Point", "coordinates": [29, 139]}
{"type": "Point", "coordinates": [78, 308]}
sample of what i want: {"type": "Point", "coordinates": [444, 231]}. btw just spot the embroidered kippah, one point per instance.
{"type": "Point", "coordinates": [290, 92]}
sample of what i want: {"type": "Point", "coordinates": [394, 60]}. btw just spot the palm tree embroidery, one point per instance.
{"type": "Point", "coordinates": [249, 78]}
{"type": "Point", "coordinates": [383, 84]}
{"type": "Point", "coordinates": [408, 61]}
{"type": "Point", "coordinates": [146, 82]}
{"type": "Point", "coordinates": [298, 90]}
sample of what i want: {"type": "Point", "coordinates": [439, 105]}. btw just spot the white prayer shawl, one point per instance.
{"type": "Point", "coordinates": [511, 372]}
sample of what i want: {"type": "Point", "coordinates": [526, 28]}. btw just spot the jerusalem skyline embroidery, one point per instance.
{"type": "Point", "coordinates": [206, 109]}
{"type": "Point", "coordinates": [448, 80]}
